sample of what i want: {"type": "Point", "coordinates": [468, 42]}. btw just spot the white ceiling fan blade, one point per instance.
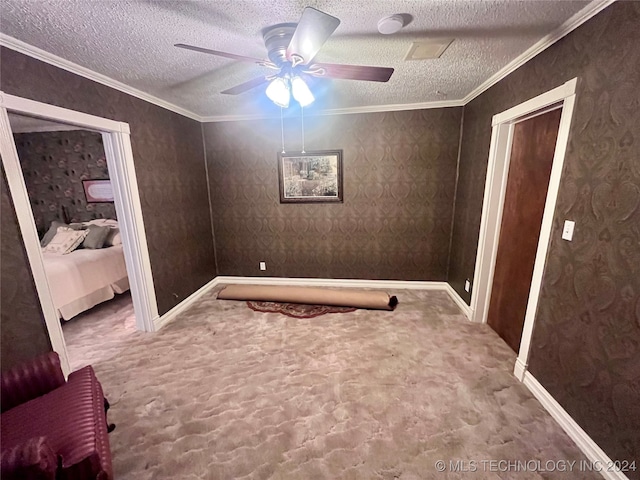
{"type": "Point", "coordinates": [313, 30]}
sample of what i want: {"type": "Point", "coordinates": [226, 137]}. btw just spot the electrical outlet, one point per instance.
{"type": "Point", "coordinates": [467, 285]}
{"type": "Point", "coordinates": [263, 265]}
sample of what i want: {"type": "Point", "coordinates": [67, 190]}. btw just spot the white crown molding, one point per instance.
{"type": "Point", "coordinates": [588, 12]}
{"type": "Point", "coordinates": [592, 9]}
{"type": "Point", "coordinates": [600, 460]}
{"type": "Point", "coordinates": [51, 59]}
{"type": "Point", "coordinates": [341, 111]}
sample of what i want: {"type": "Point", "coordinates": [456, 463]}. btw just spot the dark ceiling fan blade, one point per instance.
{"type": "Point", "coordinates": [222, 54]}
{"type": "Point", "coordinates": [314, 28]}
{"type": "Point", "coordinates": [353, 72]}
{"type": "Point", "coordinates": [246, 86]}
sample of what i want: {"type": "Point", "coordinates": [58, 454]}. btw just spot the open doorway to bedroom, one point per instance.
{"type": "Point", "coordinates": [69, 188]}
{"type": "Point", "coordinates": [119, 159]}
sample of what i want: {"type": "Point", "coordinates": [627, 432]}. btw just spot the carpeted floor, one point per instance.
{"type": "Point", "coordinates": [224, 392]}
{"type": "Point", "coordinates": [99, 334]}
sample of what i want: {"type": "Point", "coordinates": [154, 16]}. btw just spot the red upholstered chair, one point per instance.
{"type": "Point", "coordinates": [52, 429]}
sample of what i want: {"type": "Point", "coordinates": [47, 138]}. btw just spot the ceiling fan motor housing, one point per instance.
{"type": "Point", "coordinates": [277, 39]}
{"type": "Point", "coordinates": [291, 48]}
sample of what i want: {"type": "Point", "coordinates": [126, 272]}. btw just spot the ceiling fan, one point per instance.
{"type": "Point", "coordinates": [291, 48]}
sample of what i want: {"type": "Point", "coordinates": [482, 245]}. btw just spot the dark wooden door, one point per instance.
{"type": "Point", "coordinates": [534, 143]}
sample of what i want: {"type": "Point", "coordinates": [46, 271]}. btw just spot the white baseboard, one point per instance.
{"type": "Point", "coordinates": [466, 309]}
{"type": "Point", "coordinates": [334, 282]}
{"type": "Point", "coordinates": [349, 283]}
{"type": "Point", "coordinates": [590, 448]}
{"type": "Point", "coordinates": [519, 369]}
{"type": "Point", "coordinates": [161, 321]}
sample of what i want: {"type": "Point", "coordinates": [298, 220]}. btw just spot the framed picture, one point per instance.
{"type": "Point", "coordinates": [98, 191]}
{"type": "Point", "coordinates": [311, 177]}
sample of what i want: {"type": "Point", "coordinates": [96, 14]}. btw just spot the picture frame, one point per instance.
{"type": "Point", "coordinates": [98, 191]}
{"type": "Point", "coordinates": [310, 177]}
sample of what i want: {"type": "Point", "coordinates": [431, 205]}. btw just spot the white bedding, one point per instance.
{"type": "Point", "coordinates": [84, 278]}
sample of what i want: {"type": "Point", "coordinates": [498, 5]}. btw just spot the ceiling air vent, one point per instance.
{"type": "Point", "coordinates": [428, 49]}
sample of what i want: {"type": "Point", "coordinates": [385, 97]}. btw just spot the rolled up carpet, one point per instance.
{"type": "Point", "coordinates": [348, 297]}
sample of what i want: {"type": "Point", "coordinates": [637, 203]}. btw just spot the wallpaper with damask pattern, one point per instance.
{"type": "Point", "coordinates": [586, 343]}
{"type": "Point", "coordinates": [23, 333]}
{"type": "Point", "coordinates": [169, 163]}
{"type": "Point", "coordinates": [394, 223]}
{"type": "Point", "coordinates": [54, 164]}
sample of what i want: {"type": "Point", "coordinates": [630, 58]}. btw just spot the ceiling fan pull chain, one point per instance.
{"type": "Point", "coordinates": [302, 118]}
{"type": "Point", "coordinates": [282, 130]}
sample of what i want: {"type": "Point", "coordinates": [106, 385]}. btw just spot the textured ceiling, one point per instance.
{"type": "Point", "coordinates": [131, 41]}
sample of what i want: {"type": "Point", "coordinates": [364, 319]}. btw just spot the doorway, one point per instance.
{"type": "Point", "coordinates": [504, 128]}
{"type": "Point", "coordinates": [63, 167]}
{"type": "Point", "coordinates": [532, 148]}
{"type": "Point", "coordinates": [119, 158]}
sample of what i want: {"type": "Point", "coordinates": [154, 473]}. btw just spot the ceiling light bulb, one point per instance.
{"type": "Point", "coordinates": [278, 92]}
{"type": "Point", "coordinates": [301, 92]}
{"type": "Point", "coordinates": [392, 24]}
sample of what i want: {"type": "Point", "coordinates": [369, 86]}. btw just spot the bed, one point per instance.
{"type": "Point", "coordinates": [84, 278]}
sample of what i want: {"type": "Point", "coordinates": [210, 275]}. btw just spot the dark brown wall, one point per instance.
{"type": "Point", "coordinates": [169, 161]}
{"type": "Point", "coordinates": [54, 164]}
{"type": "Point", "coordinates": [395, 222]}
{"type": "Point", "coordinates": [21, 321]}
{"type": "Point", "coordinates": [586, 342]}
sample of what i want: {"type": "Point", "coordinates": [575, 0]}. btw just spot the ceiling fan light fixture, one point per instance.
{"type": "Point", "coordinates": [301, 91]}
{"type": "Point", "coordinates": [278, 92]}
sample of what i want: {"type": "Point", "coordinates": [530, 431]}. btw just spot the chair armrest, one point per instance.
{"type": "Point", "coordinates": [30, 380]}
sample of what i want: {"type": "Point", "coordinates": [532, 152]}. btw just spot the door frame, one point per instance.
{"type": "Point", "coordinates": [495, 188]}
{"type": "Point", "coordinates": [119, 156]}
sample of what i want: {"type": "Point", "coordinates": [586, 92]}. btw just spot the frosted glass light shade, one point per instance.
{"type": "Point", "coordinates": [301, 92]}
{"type": "Point", "coordinates": [278, 92]}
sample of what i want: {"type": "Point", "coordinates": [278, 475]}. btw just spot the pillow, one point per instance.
{"type": "Point", "coordinates": [65, 241]}
{"type": "Point", "coordinates": [117, 239]}
{"type": "Point", "coordinates": [32, 459]}
{"type": "Point", "coordinates": [103, 221]}
{"type": "Point", "coordinates": [96, 236]}
{"type": "Point", "coordinates": [53, 229]}
{"type": "Point", "coordinates": [113, 238]}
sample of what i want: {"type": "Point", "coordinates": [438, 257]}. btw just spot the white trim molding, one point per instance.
{"type": "Point", "coordinates": [490, 220]}
{"type": "Point", "coordinates": [537, 103]}
{"type": "Point", "coordinates": [341, 111]}
{"type": "Point", "coordinates": [547, 222]}
{"type": "Point", "coordinates": [494, 193]}
{"type": "Point", "coordinates": [22, 206]}
{"type": "Point", "coordinates": [333, 282]}
{"type": "Point", "coordinates": [129, 211]}
{"type": "Point", "coordinates": [519, 370]}
{"type": "Point", "coordinates": [119, 157]}
{"type": "Point", "coordinates": [588, 12]}
{"type": "Point", "coordinates": [466, 309]}
{"type": "Point", "coordinates": [592, 9]}
{"type": "Point", "coordinates": [51, 59]}
{"type": "Point", "coordinates": [185, 304]}
{"type": "Point", "coordinates": [309, 282]}
{"type": "Point", "coordinates": [592, 451]}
